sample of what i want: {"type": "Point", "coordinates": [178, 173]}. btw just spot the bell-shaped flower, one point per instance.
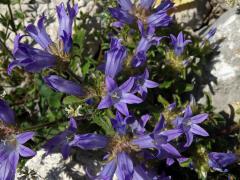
{"type": "Point", "coordinates": [142, 83]}
{"type": "Point", "coordinates": [65, 86]}
{"type": "Point", "coordinates": [69, 138]}
{"type": "Point", "coordinates": [11, 148]}
{"type": "Point", "coordinates": [128, 12]}
{"type": "Point", "coordinates": [115, 58]}
{"type": "Point", "coordinates": [30, 59]}
{"type": "Point", "coordinates": [66, 19]}
{"type": "Point", "coordinates": [119, 97]}
{"type": "Point", "coordinates": [188, 124]}
{"type": "Point", "coordinates": [159, 139]}
{"type": "Point", "coordinates": [179, 43]}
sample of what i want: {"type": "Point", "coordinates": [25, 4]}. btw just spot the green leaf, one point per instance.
{"type": "Point", "coordinates": [163, 101]}
{"type": "Point", "coordinates": [105, 123]}
{"type": "Point", "coordinates": [69, 100]}
{"type": "Point", "coordinates": [188, 87]}
{"type": "Point", "coordinates": [166, 84]}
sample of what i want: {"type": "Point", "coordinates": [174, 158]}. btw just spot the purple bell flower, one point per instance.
{"type": "Point", "coordinates": [65, 19]}
{"type": "Point", "coordinates": [65, 86]}
{"type": "Point", "coordinates": [127, 13]}
{"type": "Point", "coordinates": [62, 140]}
{"type": "Point", "coordinates": [10, 149]}
{"type": "Point", "coordinates": [35, 60]}
{"type": "Point", "coordinates": [115, 58]}
{"type": "Point", "coordinates": [31, 59]}
{"type": "Point", "coordinates": [39, 33]}
{"type": "Point", "coordinates": [219, 161]}
{"type": "Point", "coordinates": [89, 141]}
{"type": "Point", "coordinates": [179, 43]}
{"type": "Point", "coordinates": [159, 139]}
{"type": "Point", "coordinates": [68, 139]}
{"type": "Point", "coordinates": [65, 23]}
{"type": "Point", "coordinates": [189, 125]}
{"type": "Point", "coordinates": [142, 84]}
{"type": "Point", "coordinates": [120, 96]}
{"type": "Point", "coordinates": [6, 113]}
{"type": "Point", "coordinates": [147, 40]}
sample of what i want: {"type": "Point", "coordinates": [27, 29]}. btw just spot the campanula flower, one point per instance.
{"type": "Point", "coordinates": [11, 148]}
{"type": "Point", "coordinates": [159, 139]}
{"type": "Point", "coordinates": [127, 13]}
{"type": "Point", "coordinates": [65, 23]}
{"type": "Point", "coordinates": [142, 83]}
{"type": "Point", "coordinates": [31, 59]}
{"type": "Point", "coordinates": [219, 161]}
{"type": "Point", "coordinates": [179, 43]}
{"type": "Point", "coordinates": [188, 124]}
{"type": "Point", "coordinates": [148, 39]}
{"type": "Point", "coordinates": [65, 86]}
{"type": "Point", "coordinates": [121, 149]}
{"type": "Point", "coordinates": [115, 58]}
{"type": "Point", "coordinates": [69, 138]}
{"type": "Point", "coordinates": [6, 113]}
{"type": "Point", "coordinates": [120, 96]}
{"type": "Point", "coordinates": [63, 46]}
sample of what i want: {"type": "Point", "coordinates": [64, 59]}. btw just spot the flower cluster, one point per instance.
{"type": "Point", "coordinates": [126, 82]}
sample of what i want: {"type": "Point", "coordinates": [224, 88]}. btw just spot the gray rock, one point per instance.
{"type": "Point", "coordinates": [226, 64]}
{"type": "Point", "coordinates": [54, 167]}
{"type": "Point", "coordinates": [194, 14]}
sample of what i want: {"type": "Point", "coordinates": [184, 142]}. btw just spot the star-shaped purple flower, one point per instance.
{"type": "Point", "coordinates": [69, 138]}
{"type": "Point", "coordinates": [11, 148]}
{"type": "Point", "coordinates": [159, 140]}
{"type": "Point", "coordinates": [31, 59]}
{"type": "Point", "coordinates": [120, 96]}
{"type": "Point", "coordinates": [179, 43]}
{"type": "Point", "coordinates": [142, 83]}
{"type": "Point", "coordinates": [189, 125]}
{"type": "Point", "coordinates": [127, 13]}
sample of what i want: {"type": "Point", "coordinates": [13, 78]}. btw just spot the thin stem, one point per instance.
{"type": "Point", "coordinates": [44, 125]}
{"type": "Point", "coordinates": [12, 20]}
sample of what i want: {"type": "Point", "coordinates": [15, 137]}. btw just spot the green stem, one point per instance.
{"type": "Point", "coordinates": [12, 20]}
{"type": "Point", "coordinates": [44, 125]}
